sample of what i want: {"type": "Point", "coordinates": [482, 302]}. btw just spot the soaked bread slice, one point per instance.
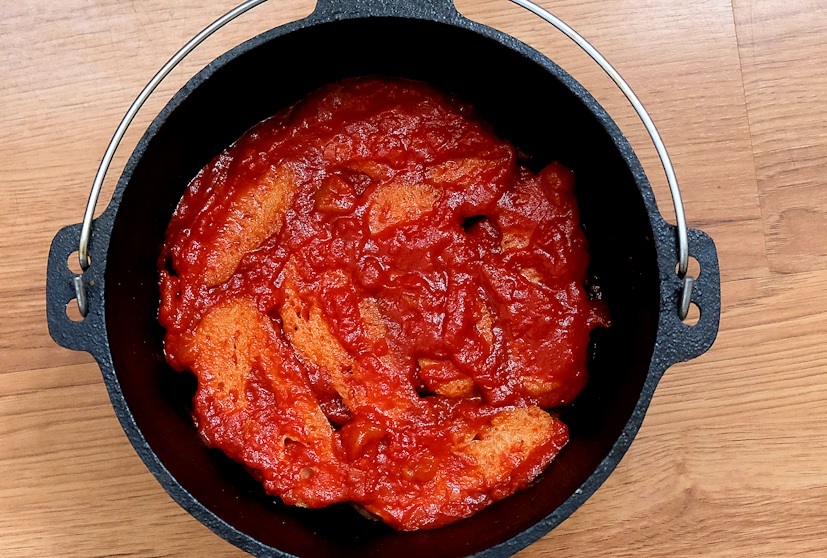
{"type": "Point", "coordinates": [443, 378]}
{"type": "Point", "coordinates": [241, 379]}
{"type": "Point", "coordinates": [398, 203]}
{"type": "Point", "coordinates": [256, 212]}
{"type": "Point", "coordinates": [509, 439]}
{"type": "Point", "coordinates": [306, 328]}
{"type": "Point", "coordinates": [228, 342]}
{"type": "Point", "coordinates": [308, 332]}
{"type": "Point", "coordinates": [484, 465]}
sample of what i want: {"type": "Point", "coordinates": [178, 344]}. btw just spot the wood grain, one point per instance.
{"type": "Point", "coordinates": [732, 456]}
{"type": "Point", "coordinates": [784, 56]}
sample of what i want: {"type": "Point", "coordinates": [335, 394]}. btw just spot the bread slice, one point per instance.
{"type": "Point", "coordinates": [306, 329]}
{"type": "Point", "coordinates": [256, 212]}
{"type": "Point", "coordinates": [260, 410]}
{"type": "Point", "coordinates": [397, 203]}
{"type": "Point", "coordinates": [480, 467]}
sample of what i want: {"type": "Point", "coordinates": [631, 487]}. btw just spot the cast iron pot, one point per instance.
{"type": "Point", "coordinates": [529, 101]}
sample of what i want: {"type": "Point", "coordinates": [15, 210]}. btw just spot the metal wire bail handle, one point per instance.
{"type": "Point", "coordinates": [579, 40]}
{"type": "Point", "coordinates": [677, 201]}
{"type": "Point", "coordinates": [94, 194]}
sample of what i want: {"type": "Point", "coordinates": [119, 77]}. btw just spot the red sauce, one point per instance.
{"type": "Point", "coordinates": [378, 301]}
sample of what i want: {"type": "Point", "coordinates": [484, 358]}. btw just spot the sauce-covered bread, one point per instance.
{"type": "Point", "coordinates": [378, 302]}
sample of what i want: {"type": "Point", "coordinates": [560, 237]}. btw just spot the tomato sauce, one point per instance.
{"type": "Point", "coordinates": [379, 301]}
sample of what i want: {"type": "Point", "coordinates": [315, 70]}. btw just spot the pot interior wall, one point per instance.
{"type": "Point", "coordinates": [527, 105]}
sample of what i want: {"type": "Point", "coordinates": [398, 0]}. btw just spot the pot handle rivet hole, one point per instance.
{"type": "Point", "coordinates": [73, 263]}
{"type": "Point", "coordinates": [72, 311]}
{"type": "Point", "coordinates": [693, 315]}
{"type": "Point", "coordinates": [694, 269]}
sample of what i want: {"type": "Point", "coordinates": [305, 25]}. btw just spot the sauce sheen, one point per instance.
{"type": "Point", "coordinates": [379, 301]}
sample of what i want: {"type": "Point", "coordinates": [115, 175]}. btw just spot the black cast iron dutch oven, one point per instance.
{"type": "Point", "coordinates": [529, 101]}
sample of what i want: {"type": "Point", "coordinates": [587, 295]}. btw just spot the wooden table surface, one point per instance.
{"type": "Point", "coordinates": [732, 456]}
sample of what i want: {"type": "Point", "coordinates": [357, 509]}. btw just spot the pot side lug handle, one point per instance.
{"type": "Point", "coordinates": [439, 10]}
{"type": "Point", "coordinates": [678, 341]}
{"type": "Point", "coordinates": [79, 335]}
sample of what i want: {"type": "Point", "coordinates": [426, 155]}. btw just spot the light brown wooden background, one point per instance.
{"type": "Point", "coordinates": [732, 456]}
